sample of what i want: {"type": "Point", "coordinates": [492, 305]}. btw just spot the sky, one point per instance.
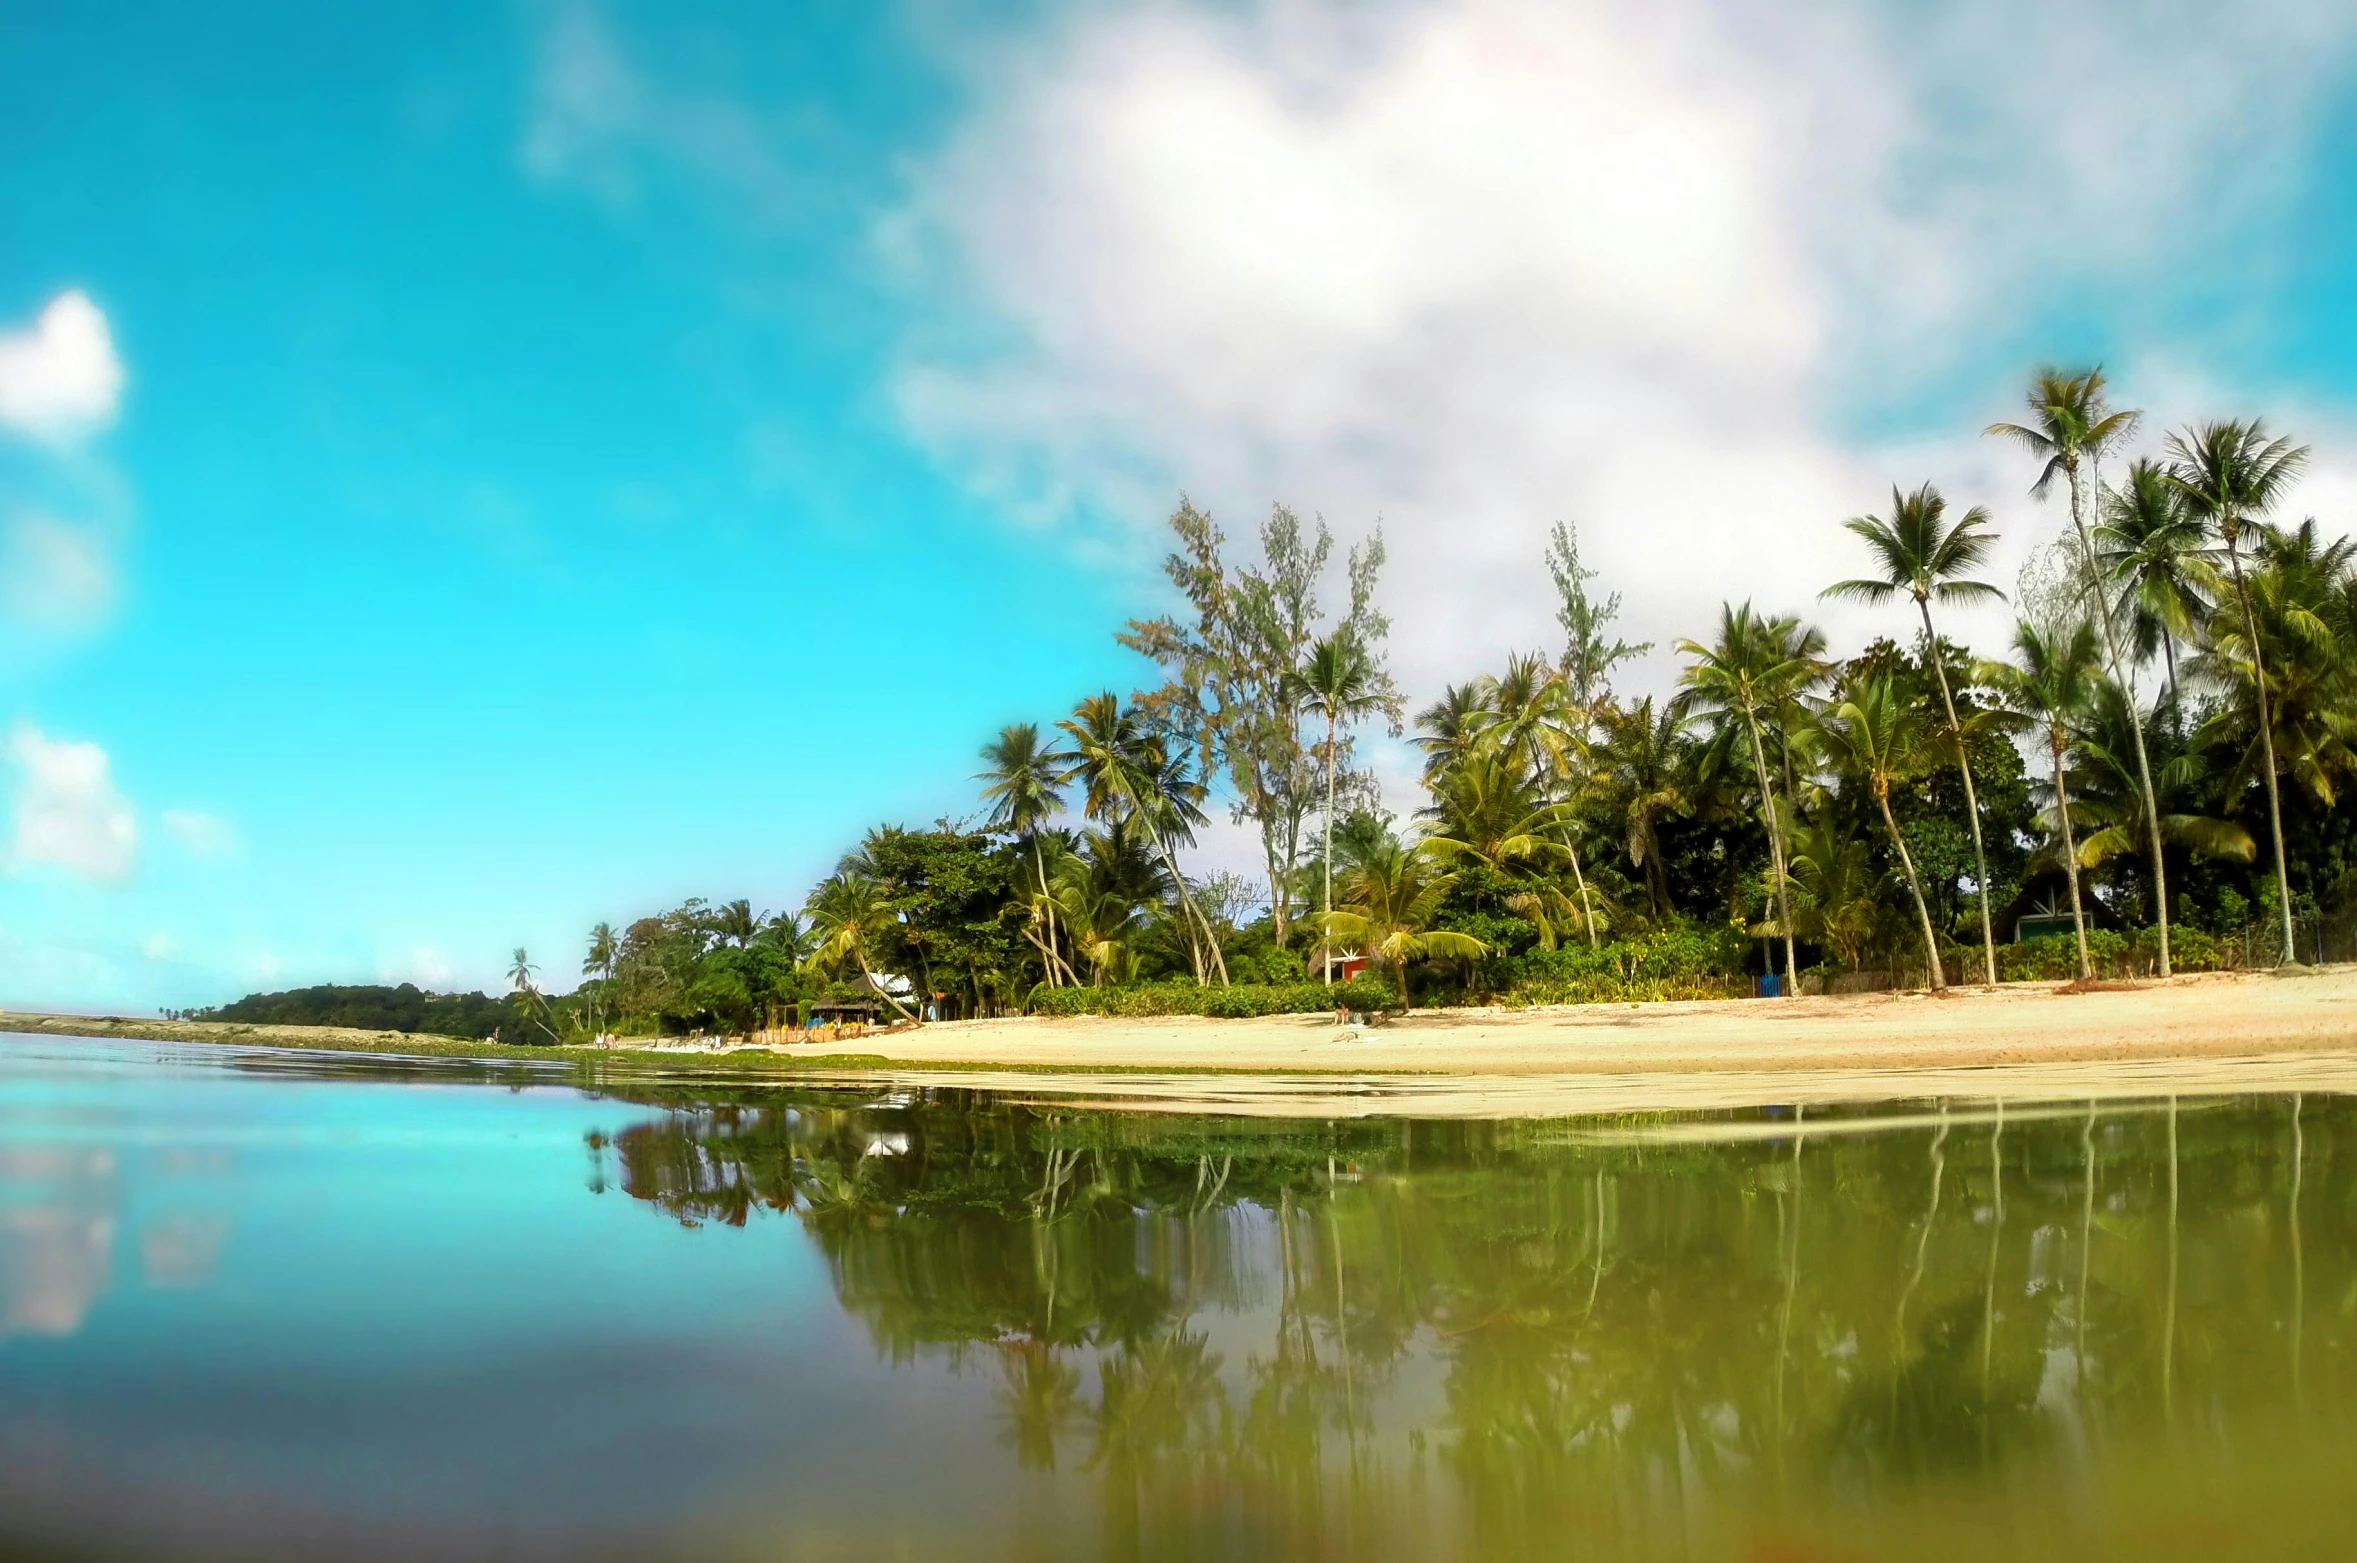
{"type": "Point", "coordinates": [467, 472]}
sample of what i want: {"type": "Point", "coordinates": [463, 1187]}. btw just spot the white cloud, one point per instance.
{"type": "Point", "coordinates": [594, 115]}
{"type": "Point", "coordinates": [59, 377]}
{"type": "Point", "coordinates": [68, 813]}
{"type": "Point", "coordinates": [266, 966]}
{"type": "Point", "coordinates": [1477, 264]}
{"type": "Point", "coordinates": [58, 574]}
{"type": "Point", "coordinates": [200, 833]}
{"type": "Point", "coordinates": [426, 967]}
{"type": "Point", "coordinates": [159, 947]}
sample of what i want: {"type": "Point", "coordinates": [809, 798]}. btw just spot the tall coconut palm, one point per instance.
{"type": "Point", "coordinates": [2107, 796]}
{"type": "Point", "coordinates": [2050, 682]}
{"type": "Point", "coordinates": [1878, 733]}
{"type": "Point", "coordinates": [520, 972]}
{"type": "Point", "coordinates": [1484, 812]}
{"type": "Point", "coordinates": [1644, 783]}
{"type": "Point", "coordinates": [1747, 672]}
{"type": "Point", "coordinates": [1023, 782]}
{"type": "Point", "coordinates": [1532, 709]}
{"type": "Point", "coordinates": [2231, 473]}
{"type": "Point", "coordinates": [1391, 896]}
{"type": "Point", "coordinates": [2152, 547]}
{"type": "Point", "coordinates": [739, 924]}
{"type": "Point", "coordinates": [1927, 557]}
{"type": "Point", "coordinates": [1341, 683]}
{"type": "Point", "coordinates": [605, 953]}
{"type": "Point", "coordinates": [852, 915]}
{"type": "Point", "coordinates": [2071, 427]}
{"type": "Point", "coordinates": [1129, 774]}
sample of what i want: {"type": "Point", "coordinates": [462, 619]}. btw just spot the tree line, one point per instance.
{"type": "Point", "coordinates": [2156, 753]}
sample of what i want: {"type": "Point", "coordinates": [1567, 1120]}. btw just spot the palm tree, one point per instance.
{"type": "Point", "coordinates": [1023, 782]}
{"type": "Point", "coordinates": [2109, 800]}
{"type": "Point", "coordinates": [605, 952]}
{"type": "Point", "coordinates": [852, 914]}
{"type": "Point", "coordinates": [2311, 722]}
{"type": "Point", "coordinates": [739, 924]}
{"type": "Point", "coordinates": [2151, 544]}
{"type": "Point", "coordinates": [1879, 732]}
{"type": "Point", "coordinates": [1750, 670]}
{"type": "Point", "coordinates": [2231, 473]}
{"type": "Point", "coordinates": [1129, 774]}
{"type": "Point", "coordinates": [1484, 812]}
{"type": "Point", "coordinates": [1643, 783]}
{"type": "Point", "coordinates": [1391, 896]}
{"type": "Point", "coordinates": [1450, 726]}
{"type": "Point", "coordinates": [519, 977]}
{"type": "Point", "coordinates": [1833, 872]}
{"type": "Point", "coordinates": [1924, 556]}
{"type": "Point", "coordinates": [2072, 424]}
{"type": "Point", "coordinates": [1340, 682]}
{"type": "Point", "coordinates": [1532, 708]}
{"type": "Point", "coordinates": [2052, 682]}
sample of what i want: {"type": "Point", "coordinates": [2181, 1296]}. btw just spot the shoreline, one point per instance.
{"type": "Point", "coordinates": [2206, 1016]}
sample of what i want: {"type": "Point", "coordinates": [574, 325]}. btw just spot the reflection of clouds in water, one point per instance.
{"type": "Point", "coordinates": [57, 1236]}
{"type": "Point", "coordinates": [181, 1250]}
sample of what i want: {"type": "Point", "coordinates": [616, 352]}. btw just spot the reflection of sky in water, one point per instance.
{"type": "Point", "coordinates": [277, 1300]}
{"type": "Point", "coordinates": [293, 1308]}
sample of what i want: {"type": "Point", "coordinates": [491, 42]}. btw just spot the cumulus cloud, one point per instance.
{"type": "Point", "coordinates": [1474, 265]}
{"type": "Point", "coordinates": [200, 833]}
{"type": "Point", "coordinates": [59, 377]}
{"type": "Point", "coordinates": [68, 812]}
{"type": "Point", "coordinates": [428, 968]}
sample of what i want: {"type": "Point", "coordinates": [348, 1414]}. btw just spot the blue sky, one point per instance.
{"type": "Point", "coordinates": [471, 471]}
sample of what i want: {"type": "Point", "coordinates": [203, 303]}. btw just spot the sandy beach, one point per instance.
{"type": "Point", "coordinates": [2211, 1016]}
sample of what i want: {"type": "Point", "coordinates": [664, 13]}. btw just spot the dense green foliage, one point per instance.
{"type": "Point", "coordinates": [378, 1008]}
{"type": "Point", "coordinates": [1231, 1003]}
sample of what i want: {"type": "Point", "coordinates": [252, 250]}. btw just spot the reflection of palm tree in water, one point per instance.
{"type": "Point", "coordinates": [1790, 1247]}
{"type": "Point", "coordinates": [1989, 1287]}
{"type": "Point", "coordinates": [1931, 1215]}
{"type": "Point", "coordinates": [2299, 1271]}
{"type": "Point", "coordinates": [2086, 1247]}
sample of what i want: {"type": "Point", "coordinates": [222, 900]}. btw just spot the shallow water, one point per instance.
{"type": "Point", "coordinates": [261, 1304]}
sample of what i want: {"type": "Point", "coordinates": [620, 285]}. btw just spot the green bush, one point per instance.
{"type": "Point", "coordinates": [2055, 957]}
{"type": "Point", "coordinates": [1689, 961]}
{"type": "Point", "coordinates": [1241, 1002]}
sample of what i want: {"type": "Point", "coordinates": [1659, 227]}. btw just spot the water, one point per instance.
{"type": "Point", "coordinates": [266, 1305]}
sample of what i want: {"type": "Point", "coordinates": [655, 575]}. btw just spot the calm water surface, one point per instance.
{"type": "Point", "coordinates": [268, 1305]}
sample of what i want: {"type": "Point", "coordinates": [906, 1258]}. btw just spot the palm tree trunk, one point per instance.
{"type": "Point", "coordinates": [1931, 942]}
{"type": "Point", "coordinates": [881, 991]}
{"type": "Point", "coordinates": [1187, 903]}
{"type": "Point", "coordinates": [1577, 878]}
{"type": "Point", "coordinates": [1580, 882]}
{"type": "Point", "coordinates": [1040, 864]}
{"type": "Point", "coordinates": [2119, 671]}
{"type": "Point", "coordinates": [1325, 946]}
{"type": "Point", "coordinates": [1759, 768]}
{"type": "Point", "coordinates": [2250, 629]}
{"type": "Point", "coordinates": [1972, 807]}
{"type": "Point", "coordinates": [2070, 853]}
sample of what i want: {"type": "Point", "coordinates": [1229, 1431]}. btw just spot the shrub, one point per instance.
{"type": "Point", "coordinates": [1688, 961]}
{"type": "Point", "coordinates": [2055, 957]}
{"type": "Point", "coordinates": [1242, 1002]}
